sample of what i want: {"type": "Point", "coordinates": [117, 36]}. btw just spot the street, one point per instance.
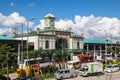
{"type": "Point", "coordinates": [107, 76]}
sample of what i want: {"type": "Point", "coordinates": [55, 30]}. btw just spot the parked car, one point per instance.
{"type": "Point", "coordinates": [112, 68]}
{"type": "Point", "coordinates": [108, 57]}
{"type": "Point", "coordinates": [65, 73]}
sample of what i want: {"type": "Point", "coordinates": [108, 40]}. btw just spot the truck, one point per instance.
{"type": "Point", "coordinates": [91, 68]}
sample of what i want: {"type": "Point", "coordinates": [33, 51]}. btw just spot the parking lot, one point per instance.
{"type": "Point", "coordinates": [107, 76]}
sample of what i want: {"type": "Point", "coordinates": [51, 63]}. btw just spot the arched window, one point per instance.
{"type": "Point", "coordinates": [47, 44]}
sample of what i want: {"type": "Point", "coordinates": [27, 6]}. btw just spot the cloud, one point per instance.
{"type": "Point", "coordinates": [6, 31]}
{"type": "Point", "coordinates": [31, 4]}
{"type": "Point", "coordinates": [41, 25]}
{"type": "Point", "coordinates": [12, 20]}
{"type": "Point", "coordinates": [11, 4]}
{"type": "Point", "coordinates": [92, 27]}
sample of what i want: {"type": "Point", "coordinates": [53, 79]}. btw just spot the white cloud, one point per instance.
{"type": "Point", "coordinates": [41, 25]}
{"type": "Point", "coordinates": [6, 31]}
{"type": "Point", "coordinates": [11, 4]}
{"type": "Point", "coordinates": [12, 19]}
{"type": "Point", "coordinates": [92, 27]}
{"type": "Point", "coordinates": [31, 4]}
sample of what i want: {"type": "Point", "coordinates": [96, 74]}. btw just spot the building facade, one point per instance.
{"type": "Point", "coordinates": [51, 37]}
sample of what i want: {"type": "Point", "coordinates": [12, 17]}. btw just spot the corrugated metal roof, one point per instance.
{"type": "Point", "coordinates": [6, 38]}
{"type": "Point", "coordinates": [90, 41]}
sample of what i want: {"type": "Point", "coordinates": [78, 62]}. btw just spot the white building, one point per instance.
{"type": "Point", "coordinates": [51, 37]}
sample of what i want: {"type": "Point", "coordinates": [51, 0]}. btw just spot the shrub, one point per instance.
{"type": "Point", "coordinates": [116, 62]}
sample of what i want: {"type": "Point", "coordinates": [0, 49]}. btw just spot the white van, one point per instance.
{"type": "Point", "coordinates": [65, 73]}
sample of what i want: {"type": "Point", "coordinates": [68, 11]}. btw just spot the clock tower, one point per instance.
{"type": "Point", "coordinates": [49, 21]}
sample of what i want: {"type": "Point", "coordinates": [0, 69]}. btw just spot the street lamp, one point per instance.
{"type": "Point", "coordinates": [105, 48]}
{"type": "Point", "coordinates": [105, 41]}
{"type": "Point", "coordinates": [28, 35]}
{"type": "Point", "coordinates": [21, 40]}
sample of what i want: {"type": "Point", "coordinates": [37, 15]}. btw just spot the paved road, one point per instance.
{"type": "Point", "coordinates": [113, 76]}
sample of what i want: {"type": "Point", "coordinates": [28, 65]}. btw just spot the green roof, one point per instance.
{"type": "Point", "coordinates": [98, 41]}
{"type": "Point", "coordinates": [6, 38]}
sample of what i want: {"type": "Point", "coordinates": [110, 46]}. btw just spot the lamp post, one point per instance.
{"type": "Point", "coordinates": [28, 35]}
{"type": "Point", "coordinates": [21, 40]}
{"type": "Point", "coordinates": [28, 38]}
{"type": "Point", "coordinates": [71, 53]}
{"type": "Point", "coordinates": [105, 42]}
{"type": "Point", "coordinates": [62, 53]}
{"type": "Point", "coordinates": [105, 49]}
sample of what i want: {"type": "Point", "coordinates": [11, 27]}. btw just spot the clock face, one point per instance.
{"type": "Point", "coordinates": [52, 23]}
{"type": "Point", "coordinates": [47, 22]}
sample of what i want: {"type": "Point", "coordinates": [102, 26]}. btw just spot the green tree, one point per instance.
{"type": "Point", "coordinates": [7, 56]}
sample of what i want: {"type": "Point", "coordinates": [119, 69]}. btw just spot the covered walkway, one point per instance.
{"type": "Point", "coordinates": [99, 46]}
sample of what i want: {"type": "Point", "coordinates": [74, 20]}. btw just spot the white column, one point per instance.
{"type": "Point", "coordinates": [43, 44]}
{"type": "Point", "coordinates": [18, 54]}
{"type": "Point", "coordinates": [87, 47]}
{"type": "Point", "coordinates": [100, 52]}
{"type": "Point", "coordinates": [115, 51]}
{"type": "Point", "coordinates": [53, 44]}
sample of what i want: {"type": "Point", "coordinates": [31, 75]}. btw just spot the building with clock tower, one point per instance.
{"type": "Point", "coordinates": [51, 37]}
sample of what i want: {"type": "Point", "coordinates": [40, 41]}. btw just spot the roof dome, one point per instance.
{"type": "Point", "coordinates": [49, 16]}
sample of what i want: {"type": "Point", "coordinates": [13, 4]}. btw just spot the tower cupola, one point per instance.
{"type": "Point", "coordinates": [49, 21]}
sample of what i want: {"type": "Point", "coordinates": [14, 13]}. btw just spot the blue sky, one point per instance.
{"type": "Point", "coordinates": [66, 11]}
{"type": "Point", "coordinates": [61, 8]}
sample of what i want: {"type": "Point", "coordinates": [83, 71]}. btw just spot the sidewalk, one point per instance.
{"type": "Point", "coordinates": [12, 76]}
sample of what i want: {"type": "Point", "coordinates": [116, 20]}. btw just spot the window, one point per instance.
{"type": "Point", "coordinates": [61, 72]}
{"type": "Point", "coordinates": [67, 71]}
{"type": "Point", "coordinates": [78, 45]}
{"type": "Point", "coordinates": [47, 44]}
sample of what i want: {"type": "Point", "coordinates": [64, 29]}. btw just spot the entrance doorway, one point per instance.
{"type": "Point", "coordinates": [61, 43]}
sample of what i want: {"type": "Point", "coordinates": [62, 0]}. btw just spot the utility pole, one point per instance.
{"type": "Point", "coordinates": [21, 40]}
{"type": "Point", "coordinates": [62, 52]}
{"type": "Point", "coordinates": [28, 38]}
